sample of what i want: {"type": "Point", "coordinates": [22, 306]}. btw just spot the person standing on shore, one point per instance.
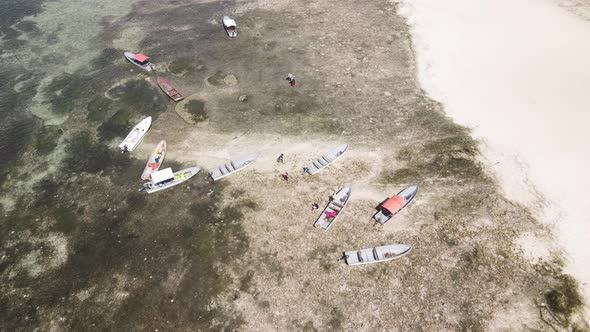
{"type": "Point", "coordinates": [286, 177]}
{"type": "Point", "coordinates": [281, 159]}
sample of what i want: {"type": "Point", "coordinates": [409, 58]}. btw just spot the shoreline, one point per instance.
{"type": "Point", "coordinates": [504, 71]}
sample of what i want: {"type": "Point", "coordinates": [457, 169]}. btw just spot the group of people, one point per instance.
{"type": "Point", "coordinates": [314, 206]}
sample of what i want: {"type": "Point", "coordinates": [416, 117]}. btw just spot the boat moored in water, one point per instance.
{"type": "Point", "coordinates": [136, 135]}
{"type": "Point", "coordinates": [169, 89]}
{"type": "Point", "coordinates": [140, 60]}
{"type": "Point", "coordinates": [155, 160]}
{"type": "Point", "coordinates": [165, 179]}
{"type": "Point", "coordinates": [230, 26]}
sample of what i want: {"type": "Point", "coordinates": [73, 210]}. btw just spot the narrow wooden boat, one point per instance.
{"type": "Point", "coordinates": [169, 89]}
{"type": "Point", "coordinates": [393, 205]}
{"type": "Point", "coordinates": [140, 60]}
{"type": "Point", "coordinates": [155, 160]}
{"type": "Point", "coordinates": [230, 26]}
{"type": "Point", "coordinates": [232, 167]}
{"type": "Point", "coordinates": [165, 179]}
{"type": "Point", "coordinates": [334, 209]}
{"type": "Point", "coordinates": [377, 254]}
{"type": "Point", "coordinates": [325, 160]}
{"type": "Point", "coordinates": [136, 135]}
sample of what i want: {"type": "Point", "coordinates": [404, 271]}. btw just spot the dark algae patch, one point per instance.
{"type": "Point", "coordinates": [196, 108]}
{"type": "Point", "coordinates": [47, 139]}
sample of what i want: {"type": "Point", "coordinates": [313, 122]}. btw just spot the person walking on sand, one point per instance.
{"type": "Point", "coordinates": [281, 159]}
{"type": "Point", "coordinates": [286, 177]}
{"type": "Point", "coordinates": [315, 206]}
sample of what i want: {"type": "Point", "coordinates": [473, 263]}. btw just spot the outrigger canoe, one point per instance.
{"type": "Point", "coordinates": [136, 135]}
{"type": "Point", "coordinates": [377, 254]}
{"type": "Point", "coordinates": [325, 160]}
{"type": "Point", "coordinates": [232, 167]}
{"type": "Point", "coordinates": [140, 60]}
{"type": "Point", "coordinates": [334, 209]}
{"type": "Point", "coordinates": [394, 204]}
{"type": "Point", "coordinates": [169, 89]}
{"type": "Point", "coordinates": [230, 26]}
{"type": "Point", "coordinates": [154, 161]}
{"type": "Point", "coordinates": [165, 179]}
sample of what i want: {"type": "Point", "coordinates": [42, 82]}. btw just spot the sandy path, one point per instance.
{"type": "Point", "coordinates": [518, 72]}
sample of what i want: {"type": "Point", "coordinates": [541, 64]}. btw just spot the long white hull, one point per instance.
{"type": "Point", "coordinates": [179, 177]}
{"type": "Point", "coordinates": [227, 169]}
{"type": "Point", "coordinates": [377, 254]}
{"type": "Point", "coordinates": [325, 160]}
{"type": "Point", "coordinates": [136, 135]}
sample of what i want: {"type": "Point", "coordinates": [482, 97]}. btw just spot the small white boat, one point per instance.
{"type": "Point", "coordinates": [230, 26]}
{"type": "Point", "coordinates": [136, 135]}
{"type": "Point", "coordinates": [325, 160]}
{"type": "Point", "coordinates": [377, 254]}
{"type": "Point", "coordinates": [232, 167]}
{"type": "Point", "coordinates": [394, 204]}
{"type": "Point", "coordinates": [140, 60]}
{"type": "Point", "coordinates": [165, 179]}
{"type": "Point", "coordinates": [334, 209]}
{"type": "Point", "coordinates": [154, 161]}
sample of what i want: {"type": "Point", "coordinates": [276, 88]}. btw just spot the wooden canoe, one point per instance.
{"type": "Point", "coordinates": [169, 89]}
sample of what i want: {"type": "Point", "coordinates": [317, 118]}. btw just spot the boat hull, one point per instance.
{"type": "Point", "coordinates": [326, 159]}
{"type": "Point", "coordinates": [376, 254]}
{"type": "Point", "coordinates": [136, 135]}
{"type": "Point", "coordinates": [407, 194]}
{"type": "Point", "coordinates": [341, 198]}
{"type": "Point", "coordinates": [179, 177]}
{"type": "Point", "coordinates": [167, 87]}
{"type": "Point", "coordinates": [224, 170]}
{"type": "Point", "coordinates": [147, 67]}
{"type": "Point", "coordinates": [155, 160]}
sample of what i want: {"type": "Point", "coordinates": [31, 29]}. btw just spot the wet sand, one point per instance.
{"type": "Point", "coordinates": [82, 249]}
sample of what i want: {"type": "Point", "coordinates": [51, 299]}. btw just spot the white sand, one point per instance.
{"type": "Point", "coordinates": [518, 72]}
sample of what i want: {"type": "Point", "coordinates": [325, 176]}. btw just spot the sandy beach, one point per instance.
{"type": "Point", "coordinates": [518, 73]}
{"type": "Point", "coordinates": [82, 249]}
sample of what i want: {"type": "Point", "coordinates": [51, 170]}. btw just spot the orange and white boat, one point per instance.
{"type": "Point", "coordinates": [155, 160]}
{"type": "Point", "coordinates": [169, 89]}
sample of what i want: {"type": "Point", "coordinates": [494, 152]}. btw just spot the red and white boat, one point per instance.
{"type": "Point", "coordinates": [140, 60]}
{"type": "Point", "coordinates": [394, 204]}
{"type": "Point", "coordinates": [169, 89]}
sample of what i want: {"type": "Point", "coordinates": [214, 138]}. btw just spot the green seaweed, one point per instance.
{"type": "Point", "coordinates": [98, 108]}
{"type": "Point", "coordinates": [196, 108]}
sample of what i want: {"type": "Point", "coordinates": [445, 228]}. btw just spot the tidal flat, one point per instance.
{"type": "Point", "coordinates": [82, 249]}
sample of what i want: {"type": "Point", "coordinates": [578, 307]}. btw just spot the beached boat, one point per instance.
{"type": "Point", "coordinates": [325, 160]}
{"type": "Point", "coordinates": [136, 135]}
{"type": "Point", "coordinates": [165, 179]}
{"type": "Point", "coordinates": [140, 60]}
{"type": "Point", "coordinates": [232, 167]}
{"type": "Point", "coordinates": [154, 161]}
{"type": "Point", "coordinates": [230, 26]}
{"type": "Point", "coordinates": [334, 209]}
{"type": "Point", "coordinates": [377, 254]}
{"type": "Point", "coordinates": [394, 204]}
{"type": "Point", "coordinates": [169, 89]}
